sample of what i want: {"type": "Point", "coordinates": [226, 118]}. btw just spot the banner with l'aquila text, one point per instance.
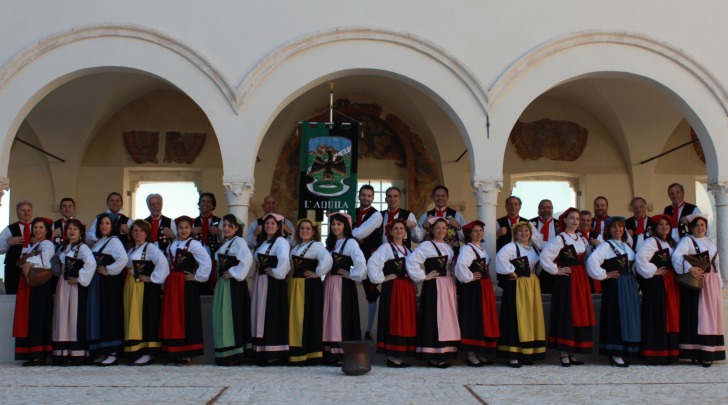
{"type": "Point", "coordinates": [329, 153]}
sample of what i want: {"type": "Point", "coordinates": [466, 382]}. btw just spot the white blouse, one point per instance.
{"type": "Point", "coordinates": [647, 249]}
{"type": "Point", "coordinates": [46, 249]}
{"type": "Point", "coordinates": [686, 247]}
{"type": "Point", "coordinates": [552, 248]}
{"type": "Point", "coordinates": [375, 265]}
{"type": "Point", "coordinates": [603, 252]}
{"type": "Point", "coordinates": [281, 249]}
{"type": "Point", "coordinates": [509, 252]}
{"type": "Point", "coordinates": [116, 250]}
{"type": "Point", "coordinates": [465, 259]}
{"type": "Point", "coordinates": [89, 262]}
{"type": "Point", "coordinates": [352, 249]}
{"type": "Point", "coordinates": [426, 250]}
{"type": "Point", "coordinates": [317, 251]}
{"type": "Point", "coordinates": [238, 249]}
{"type": "Point", "coordinates": [153, 254]}
{"type": "Point", "coordinates": [198, 252]}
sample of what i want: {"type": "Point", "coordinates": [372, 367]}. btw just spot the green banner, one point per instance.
{"type": "Point", "coordinates": [329, 155]}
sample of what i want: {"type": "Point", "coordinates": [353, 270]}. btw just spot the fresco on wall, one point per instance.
{"type": "Point", "coordinates": [554, 140]}
{"type": "Point", "coordinates": [142, 146]}
{"type": "Point", "coordinates": [183, 147]}
{"type": "Point", "coordinates": [387, 138]}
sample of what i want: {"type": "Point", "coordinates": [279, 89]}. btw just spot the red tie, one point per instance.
{"type": "Point", "coordinates": [598, 224]}
{"type": "Point", "coordinates": [206, 229]}
{"type": "Point", "coordinates": [676, 214]}
{"type": "Point", "coordinates": [390, 217]}
{"type": "Point", "coordinates": [513, 220]}
{"type": "Point", "coordinates": [26, 234]}
{"type": "Point", "coordinates": [640, 226]}
{"type": "Point", "coordinates": [440, 214]}
{"type": "Point", "coordinates": [360, 215]}
{"type": "Point", "coordinates": [545, 229]}
{"type": "Point", "coordinates": [155, 229]}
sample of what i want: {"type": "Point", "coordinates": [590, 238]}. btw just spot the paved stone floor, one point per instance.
{"type": "Point", "coordinates": [546, 383]}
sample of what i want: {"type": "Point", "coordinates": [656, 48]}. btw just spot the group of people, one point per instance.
{"type": "Point", "coordinates": [132, 288]}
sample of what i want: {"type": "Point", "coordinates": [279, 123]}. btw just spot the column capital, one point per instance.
{"type": "Point", "coordinates": [719, 188]}
{"type": "Point", "coordinates": [4, 186]}
{"type": "Point", "coordinates": [486, 189]}
{"type": "Point", "coordinates": [238, 189]}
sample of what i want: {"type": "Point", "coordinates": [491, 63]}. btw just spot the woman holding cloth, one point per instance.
{"type": "Point", "coordinates": [269, 316]}
{"type": "Point", "coordinates": [105, 296]}
{"type": "Point", "coordinates": [523, 333]}
{"type": "Point", "coordinates": [309, 262]}
{"type": "Point", "coordinates": [572, 310]}
{"type": "Point", "coordinates": [341, 302]}
{"type": "Point", "coordinates": [478, 313]}
{"type": "Point", "coordinates": [397, 322]}
{"type": "Point", "coordinates": [438, 331]}
{"type": "Point", "coordinates": [231, 300]}
{"type": "Point", "coordinates": [660, 295]}
{"type": "Point", "coordinates": [147, 269]}
{"type": "Point", "coordinates": [77, 267]}
{"type": "Point", "coordinates": [701, 311]}
{"type": "Point", "coordinates": [32, 324]}
{"type": "Point", "coordinates": [619, 319]}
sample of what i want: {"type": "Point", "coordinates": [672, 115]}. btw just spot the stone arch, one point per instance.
{"type": "Point", "coordinates": [675, 74]}
{"type": "Point", "coordinates": [325, 56]}
{"type": "Point", "coordinates": [60, 58]}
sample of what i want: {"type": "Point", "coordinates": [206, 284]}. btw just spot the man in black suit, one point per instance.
{"type": "Point", "coordinates": [678, 210]}
{"type": "Point", "coordinates": [503, 232]}
{"type": "Point", "coordinates": [14, 241]}
{"type": "Point", "coordinates": [639, 225]}
{"type": "Point", "coordinates": [68, 212]}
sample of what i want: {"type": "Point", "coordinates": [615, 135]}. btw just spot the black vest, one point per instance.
{"type": "Point", "coordinates": [13, 254]}
{"type": "Point", "coordinates": [162, 239]}
{"type": "Point", "coordinates": [374, 240]}
{"type": "Point", "coordinates": [631, 224]}
{"type": "Point", "coordinates": [212, 242]}
{"type": "Point", "coordinates": [507, 238]}
{"type": "Point", "coordinates": [58, 240]}
{"type": "Point", "coordinates": [682, 229]}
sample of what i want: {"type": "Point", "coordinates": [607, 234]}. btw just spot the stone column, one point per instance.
{"type": "Point", "coordinates": [4, 186]}
{"type": "Point", "coordinates": [720, 190]}
{"type": "Point", "coordinates": [238, 190]}
{"type": "Point", "coordinates": [486, 190]}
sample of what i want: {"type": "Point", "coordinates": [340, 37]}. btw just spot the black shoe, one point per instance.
{"type": "Point", "coordinates": [527, 362]}
{"type": "Point", "coordinates": [34, 363]}
{"type": "Point", "coordinates": [471, 364]}
{"type": "Point", "coordinates": [184, 362]}
{"type": "Point", "coordinates": [113, 363]}
{"type": "Point", "coordinates": [575, 362]}
{"type": "Point", "coordinates": [511, 364]}
{"type": "Point", "coordinates": [440, 364]}
{"type": "Point", "coordinates": [707, 364]}
{"type": "Point", "coordinates": [367, 336]}
{"type": "Point", "coordinates": [565, 362]}
{"type": "Point", "coordinates": [614, 363]}
{"type": "Point", "coordinates": [392, 364]}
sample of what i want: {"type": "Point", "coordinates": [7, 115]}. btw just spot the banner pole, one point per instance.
{"type": "Point", "coordinates": [331, 102]}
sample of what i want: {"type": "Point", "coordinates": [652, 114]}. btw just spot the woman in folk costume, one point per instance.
{"type": "Point", "coordinates": [572, 311]}
{"type": "Point", "coordinates": [33, 322]}
{"type": "Point", "coordinates": [309, 262]}
{"type": "Point", "coordinates": [478, 313]}
{"type": "Point", "coordinates": [231, 300]}
{"type": "Point", "coordinates": [341, 302]}
{"type": "Point", "coordinates": [269, 319]}
{"type": "Point", "coordinates": [660, 295]}
{"type": "Point", "coordinates": [701, 311]}
{"type": "Point", "coordinates": [397, 321]}
{"type": "Point", "coordinates": [105, 309]}
{"type": "Point", "coordinates": [147, 269]}
{"type": "Point", "coordinates": [523, 333]}
{"type": "Point", "coordinates": [180, 327]}
{"type": "Point", "coordinates": [619, 318]}
{"type": "Point", "coordinates": [77, 266]}
{"type": "Point", "coordinates": [438, 331]}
